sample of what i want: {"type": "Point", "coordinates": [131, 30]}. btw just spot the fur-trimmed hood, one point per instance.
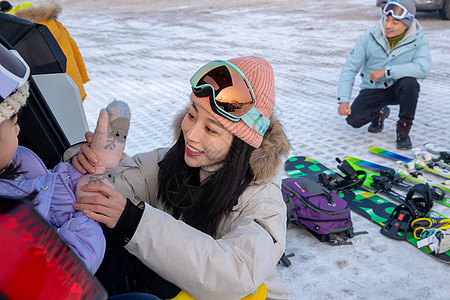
{"type": "Point", "coordinates": [266, 160]}
{"type": "Point", "coordinates": [42, 12]}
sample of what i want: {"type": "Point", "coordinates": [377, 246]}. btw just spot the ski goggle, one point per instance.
{"type": "Point", "coordinates": [398, 11]}
{"type": "Point", "coordinates": [14, 72]}
{"type": "Point", "coordinates": [230, 94]}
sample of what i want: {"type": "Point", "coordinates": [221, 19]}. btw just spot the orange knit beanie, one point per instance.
{"type": "Point", "coordinates": [260, 75]}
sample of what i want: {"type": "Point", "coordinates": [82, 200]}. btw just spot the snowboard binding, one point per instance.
{"type": "Point", "coordinates": [398, 224]}
{"type": "Point", "coordinates": [445, 156]}
{"type": "Point", "coordinates": [393, 177]}
{"type": "Point", "coordinates": [381, 183]}
{"type": "Point", "coordinates": [352, 179]}
{"type": "Point", "coordinates": [422, 204]}
{"type": "Point", "coordinates": [418, 204]}
{"type": "Point", "coordinates": [388, 178]}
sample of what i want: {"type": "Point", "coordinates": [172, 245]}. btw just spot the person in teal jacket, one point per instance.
{"type": "Point", "coordinates": [390, 57]}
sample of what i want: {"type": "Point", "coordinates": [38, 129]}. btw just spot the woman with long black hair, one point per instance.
{"type": "Point", "coordinates": [207, 214]}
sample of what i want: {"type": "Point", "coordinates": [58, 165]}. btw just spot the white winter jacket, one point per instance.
{"type": "Point", "coordinates": [251, 240]}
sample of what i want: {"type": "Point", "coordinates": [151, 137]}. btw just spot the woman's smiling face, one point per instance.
{"type": "Point", "coordinates": [207, 142]}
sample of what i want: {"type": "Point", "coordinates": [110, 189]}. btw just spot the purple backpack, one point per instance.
{"type": "Point", "coordinates": [321, 212]}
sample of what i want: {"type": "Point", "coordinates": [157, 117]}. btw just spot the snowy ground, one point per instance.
{"type": "Point", "coordinates": [144, 52]}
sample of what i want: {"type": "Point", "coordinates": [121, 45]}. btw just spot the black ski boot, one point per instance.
{"type": "Point", "coordinates": [378, 123]}
{"type": "Point", "coordinates": [403, 139]}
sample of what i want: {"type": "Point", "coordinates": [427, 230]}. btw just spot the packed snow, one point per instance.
{"type": "Point", "coordinates": [144, 52]}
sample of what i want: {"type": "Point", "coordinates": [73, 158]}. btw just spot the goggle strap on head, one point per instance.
{"type": "Point", "coordinates": [255, 120]}
{"type": "Point", "coordinates": [410, 16]}
{"type": "Point", "coordinates": [14, 71]}
{"type": "Point", "coordinates": [7, 86]}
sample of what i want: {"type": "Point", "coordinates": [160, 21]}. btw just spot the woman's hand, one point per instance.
{"type": "Point", "coordinates": [105, 207]}
{"type": "Point", "coordinates": [86, 159]}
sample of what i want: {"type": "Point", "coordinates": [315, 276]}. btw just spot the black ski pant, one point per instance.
{"type": "Point", "coordinates": [366, 107]}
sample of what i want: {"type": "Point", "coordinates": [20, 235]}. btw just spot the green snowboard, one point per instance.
{"type": "Point", "coordinates": [367, 204]}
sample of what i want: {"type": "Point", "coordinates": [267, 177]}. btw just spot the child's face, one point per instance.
{"type": "Point", "coordinates": [9, 130]}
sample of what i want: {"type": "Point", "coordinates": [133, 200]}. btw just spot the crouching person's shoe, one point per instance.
{"type": "Point", "coordinates": [378, 123]}
{"type": "Point", "coordinates": [403, 139]}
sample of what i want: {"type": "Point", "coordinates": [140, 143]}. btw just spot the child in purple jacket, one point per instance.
{"type": "Point", "coordinates": [24, 175]}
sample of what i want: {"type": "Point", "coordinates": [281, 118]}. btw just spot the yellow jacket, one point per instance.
{"type": "Point", "coordinates": [46, 14]}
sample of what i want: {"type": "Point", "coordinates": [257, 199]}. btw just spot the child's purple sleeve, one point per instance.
{"type": "Point", "coordinates": [86, 238]}
{"type": "Point", "coordinates": [82, 234]}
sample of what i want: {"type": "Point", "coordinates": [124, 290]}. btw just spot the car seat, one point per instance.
{"type": "Point", "coordinates": [53, 118]}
